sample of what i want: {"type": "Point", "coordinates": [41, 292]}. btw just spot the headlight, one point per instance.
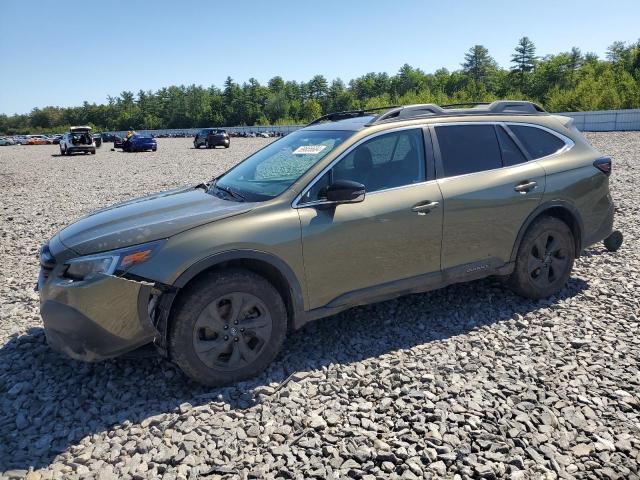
{"type": "Point", "coordinates": [85, 268]}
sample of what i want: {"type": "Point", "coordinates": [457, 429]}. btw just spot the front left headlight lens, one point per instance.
{"type": "Point", "coordinates": [86, 268]}
{"type": "Point", "coordinates": [117, 261]}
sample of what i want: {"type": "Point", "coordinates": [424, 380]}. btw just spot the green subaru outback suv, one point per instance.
{"type": "Point", "coordinates": [356, 208]}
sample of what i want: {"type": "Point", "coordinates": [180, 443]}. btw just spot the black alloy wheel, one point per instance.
{"type": "Point", "coordinates": [544, 260]}
{"type": "Point", "coordinates": [232, 331]}
{"type": "Point", "coordinates": [227, 325]}
{"type": "Point", "coordinates": [548, 259]}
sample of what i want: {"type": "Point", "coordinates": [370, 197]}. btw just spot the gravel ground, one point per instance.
{"type": "Point", "coordinates": [465, 382]}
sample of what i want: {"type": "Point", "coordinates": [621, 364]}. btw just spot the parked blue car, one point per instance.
{"type": "Point", "coordinates": [140, 143]}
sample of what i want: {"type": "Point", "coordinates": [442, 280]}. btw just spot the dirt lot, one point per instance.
{"type": "Point", "coordinates": [469, 380]}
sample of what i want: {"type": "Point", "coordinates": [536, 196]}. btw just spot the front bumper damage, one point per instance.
{"type": "Point", "coordinates": [100, 318]}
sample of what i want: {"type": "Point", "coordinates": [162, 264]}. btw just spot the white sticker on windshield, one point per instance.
{"type": "Point", "coordinates": [309, 149]}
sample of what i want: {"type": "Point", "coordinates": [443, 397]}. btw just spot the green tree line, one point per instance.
{"type": "Point", "coordinates": [568, 81]}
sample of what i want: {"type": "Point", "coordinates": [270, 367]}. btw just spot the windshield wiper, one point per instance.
{"type": "Point", "coordinates": [228, 191]}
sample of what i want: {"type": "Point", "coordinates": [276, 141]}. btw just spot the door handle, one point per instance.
{"type": "Point", "coordinates": [425, 207]}
{"type": "Point", "coordinates": [525, 187]}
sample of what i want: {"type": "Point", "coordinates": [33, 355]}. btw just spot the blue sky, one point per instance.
{"type": "Point", "coordinates": [50, 59]}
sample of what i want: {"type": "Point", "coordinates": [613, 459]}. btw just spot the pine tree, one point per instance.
{"type": "Point", "coordinates": [478, 64]}
{"type": "Point", "coordinates": [524, 60]}
{"type": "Point", "coordinates": [575, 62]}
{"type": "Point", "coordinates": [615, 51]}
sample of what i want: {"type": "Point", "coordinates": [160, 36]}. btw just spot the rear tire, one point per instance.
{"type": "Point", "coordinates": [545, 259]}
{"type": "Point", "coordinates": [228, 326]}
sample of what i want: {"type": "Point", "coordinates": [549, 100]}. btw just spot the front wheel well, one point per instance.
{"type": "Point", "coordinates": [259, 267]}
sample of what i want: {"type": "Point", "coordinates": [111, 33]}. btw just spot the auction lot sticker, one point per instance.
{"type": "Point", "coordinates": [309, 149]}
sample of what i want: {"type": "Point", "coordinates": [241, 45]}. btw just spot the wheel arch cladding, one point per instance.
{"type": "Point", "coordinates": [560, 209]}
{"type": "Point", "coordinates": [268, 266]}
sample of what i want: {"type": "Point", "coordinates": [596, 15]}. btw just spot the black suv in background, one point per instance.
{"type": "Point", "coordinates": [211, 138]}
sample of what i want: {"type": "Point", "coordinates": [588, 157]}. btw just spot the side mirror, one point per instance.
{"type": "Point", "coordinates": [345, 191]}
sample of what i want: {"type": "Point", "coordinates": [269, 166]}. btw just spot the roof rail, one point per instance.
{"type": "Point", "coordinates": [463, 104]}
{"type": "Point", "coordinates": [335, 116]}
{"type": "Point", "coordinates": [499, 107]}
{"type": "Point", "coordinates": [515, 106]}
{"type": "Point", "coordinates": [409, 111]}
{"type": "Point", "coordinates": [398, 112]}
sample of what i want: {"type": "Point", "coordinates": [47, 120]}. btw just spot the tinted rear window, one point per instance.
{"type": "Point", "coordinates": [538, 142]}
{"type": "Point", "coordinates": [511, 154]}
{"type": "Point", "coordinates": [468, 148]}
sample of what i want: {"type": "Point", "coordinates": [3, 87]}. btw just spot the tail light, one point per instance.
{"type": "Point", "coordinates": [604, 165]}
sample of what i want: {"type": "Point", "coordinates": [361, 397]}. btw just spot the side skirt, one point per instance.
{"type": "Point", "coordinates": [408, 286]}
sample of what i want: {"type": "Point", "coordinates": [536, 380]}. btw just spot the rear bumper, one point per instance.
{"type": "Point", "coordinates": [603, 230]}
{"type": "Point", "coordinates": [95, 320]}
{"type": "Point", "coordinates": [76, 149]}
{"type": "Point", "coordinates": [141, 148]}
{"type": "Point", "coordinates": [218, 142]}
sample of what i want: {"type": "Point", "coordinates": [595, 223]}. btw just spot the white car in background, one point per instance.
{"type": "Point", "coordinates": [77, 140]}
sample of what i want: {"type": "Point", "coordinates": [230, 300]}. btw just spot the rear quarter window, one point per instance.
{"type": "Point", "coordinates": [538, 142]}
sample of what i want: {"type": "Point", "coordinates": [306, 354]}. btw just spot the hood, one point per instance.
{"type": "Point", "coordinates": [146, 219]}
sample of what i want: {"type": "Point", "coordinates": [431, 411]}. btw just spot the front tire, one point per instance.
{"type": "Point", "coordinates": [228, 326]}
{"type": "Point", "coordinates": [545, 259]}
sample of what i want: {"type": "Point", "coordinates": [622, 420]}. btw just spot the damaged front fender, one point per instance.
{"type": "Point", "coordinates": [97, 319]}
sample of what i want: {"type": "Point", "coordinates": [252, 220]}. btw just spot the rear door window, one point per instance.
{"type": "Point", "coordinates": [538, 142]}
{"type": "Point", "coordinates": [468, 148]}
{"type": "Point", "coordinates": [511, 154]}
